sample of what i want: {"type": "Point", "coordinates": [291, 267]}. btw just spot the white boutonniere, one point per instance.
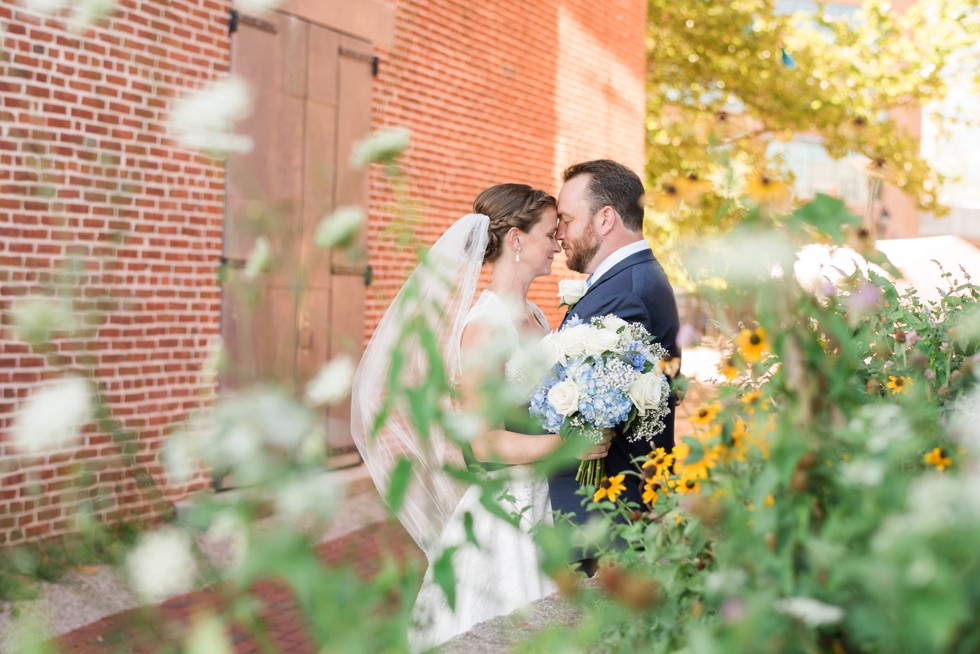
{"type": "Point", "coordinates": [571, 291]}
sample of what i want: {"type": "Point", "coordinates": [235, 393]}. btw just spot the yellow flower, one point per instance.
{"type": "Point", "coordinates": [898, 384]}
{"type": "Point", "coordinates": [659, 459]}
{"type": "Point", "coordinates": [669, 367]}
{"type": "Point", "coordinates": [653, 488]}
{"type": "Point", "coordinates": [938, 459]}
{"type": "Point", "coordinates": [686, 485]}
{"type": "Point", "coordinates": [697, 469]}
{"type": "Point", "coordinates": [767, 190]}
{"type": "Point", "coordinates": [706, 414]}
{"type": "Point", "coordinates": [691, 188]}
{"type": "Point", "coordinates": [770, 501]}
{"type": "Point", "coordinates": [727, 367]}
{"type": "Point", "coordinates": [610, 488]}
{"type": "Point", "coordinates": [752, 400]}
{"type": "Point", "coordinates": [752, 344]}
{"type": "Point", "coordinates": [739, 448]}
{"type": "Point", "coordinates": [668, 199]}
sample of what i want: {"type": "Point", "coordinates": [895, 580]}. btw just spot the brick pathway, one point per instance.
{"type": "Point", "coordinates": [146, 629]}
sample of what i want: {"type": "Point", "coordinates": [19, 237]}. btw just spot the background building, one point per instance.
{"type": "Point", "coordinates": [493, 92]}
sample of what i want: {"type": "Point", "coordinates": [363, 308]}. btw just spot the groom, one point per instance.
{"type": "Point", "coordinates": [600, 227]}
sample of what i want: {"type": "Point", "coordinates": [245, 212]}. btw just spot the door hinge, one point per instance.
{"type": "Point", "coordinates": [366, 271]}
{"type": "Point", "coordinates": [232, 21]}
{"type": "Point", "coordinates": [363, 56]}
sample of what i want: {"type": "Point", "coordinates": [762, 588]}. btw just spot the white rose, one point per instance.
{"type": "Point", "coordinates": [613, 322]}
{"type": "Point", "coordinates": [645, 392]}
{"type": "Point", "coordinates": [572, 340]}
{"type": "Point", "coordinates": [600, 340]}
{"type": "Point", "coordinates": [550, 351]}
{"type": "Point", "coordinates": [571, 291]}
{"type": "Point", "coordinates": [563, 396]}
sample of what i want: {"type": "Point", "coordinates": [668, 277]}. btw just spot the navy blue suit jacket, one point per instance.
{"type": "Point", "coordinates": [635, 289]}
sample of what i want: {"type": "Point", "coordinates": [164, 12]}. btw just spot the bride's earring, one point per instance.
{"type": "Point", "coordinates": [517, 258]}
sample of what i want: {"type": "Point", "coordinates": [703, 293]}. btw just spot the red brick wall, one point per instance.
{"type": "Point", "coordinates": [84, 163]}
{"type": "Point", "coordinates": [502, 91]}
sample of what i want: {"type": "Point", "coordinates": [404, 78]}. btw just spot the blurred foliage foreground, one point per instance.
{"type": "Point", "coordinates": [829, 500]}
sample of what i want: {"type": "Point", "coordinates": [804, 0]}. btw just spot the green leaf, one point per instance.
{"type": "Point", "coordinates": [400, 479]}
{"type": "Point", "coordinates": [445, 576]}
{"type": "Point", "coordinates": [827, 215]}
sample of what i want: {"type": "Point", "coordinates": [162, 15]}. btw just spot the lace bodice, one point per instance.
{"type": "Point", "coordinates": [491, 310]}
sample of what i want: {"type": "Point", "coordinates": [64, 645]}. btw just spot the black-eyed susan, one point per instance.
{"type": "Point", "coordinates": [654, 488]}
{"type": "Point", "coordinates": [937, 458]}
{"type": "Point", "coordinates": [687, 484]}
{"type": "Point", "coordinates": [898, 384]}
{"type": "Point", "coordinates": [691, 189]}
{"type": "Point", "coordinates": [668, 198]}
{"type": "Point", "coordinates": [610, 488]}
{"type": "Point", "coordinates": [728, 368]}
{"type": "Point", "coordinates": [660, 460]}
{"type": "Point", "coordinates": [752, 344]}
{"type": "Point", "coordinates": [697, 461]}
{"type": "Point", "coordinates": [752, 401]}
{"type": "Point", "coordinates": [669, 367]}
{"type": "Point", "coordinates": [706, 414]}
{"type": "Point", "coordinates": [767, 190]}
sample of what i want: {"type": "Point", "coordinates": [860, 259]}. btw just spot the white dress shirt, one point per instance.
{"type": "Point", "coordinates": [616, 257]}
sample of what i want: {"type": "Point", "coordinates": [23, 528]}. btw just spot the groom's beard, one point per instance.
{"type": "Point", "coordinates": [584, 250]}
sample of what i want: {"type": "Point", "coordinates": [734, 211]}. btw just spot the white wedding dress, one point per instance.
{"type": "Point", "coordinates": [502, 574]}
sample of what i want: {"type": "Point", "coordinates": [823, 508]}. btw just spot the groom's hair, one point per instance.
{"type": "Point", "coordinates": [613, 185]}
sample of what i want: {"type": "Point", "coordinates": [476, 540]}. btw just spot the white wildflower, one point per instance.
{"type": "Point", "coordinates": [259, 260]}
{"type": "Point", "coordinates": [161, 565]}
{"type": "Point", "coordinates": [207, 635]}
{"type": "Point", "coordinates": [315, 494]}
{"type": "Point", "coordinates": [380, 147]}
{"type": "Point", "coordinates": [862, 473]}
{"type": "Point", "coordinates": [45, 6]}
{"type": "Point", "coordinates": [813, 613]}
{"type": "Point", "coordinates": [228, 533]}
{"type": "Point", "coordinates": [340, 228]}
{"type": "Point", "coordinates": [202, 120]}
{"type": "Point", "coordinates": [85, 12]}
{"type": "Point", "coordinates": [53, 415]}
{"type": "Point", "coordinates": [332, 383]}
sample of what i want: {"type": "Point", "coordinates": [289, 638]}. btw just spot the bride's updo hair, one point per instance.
{"type": "Point", "coordinates": [510, 205]}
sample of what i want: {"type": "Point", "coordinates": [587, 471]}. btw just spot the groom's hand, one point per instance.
{"type": "Point", "coordinates": [600, 450]}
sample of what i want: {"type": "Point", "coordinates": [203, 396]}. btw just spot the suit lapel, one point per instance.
{"type": "Point", "coordinates": [644, 256]}
{"type": "Point", "coordinates": [630, 261]}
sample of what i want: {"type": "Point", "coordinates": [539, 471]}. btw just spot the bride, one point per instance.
{"type": "Point", "coordinates": [513, 230]}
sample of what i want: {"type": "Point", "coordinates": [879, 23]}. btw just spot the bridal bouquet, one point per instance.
{"type": "Point", "coordinates": [603, 376]}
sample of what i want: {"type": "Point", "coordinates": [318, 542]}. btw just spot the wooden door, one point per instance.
{"type": "Point", "coordinates": [311, 102]}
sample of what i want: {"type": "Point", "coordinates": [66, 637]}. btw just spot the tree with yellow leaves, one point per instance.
{"type": "Point", "coordinates": [727, 79]}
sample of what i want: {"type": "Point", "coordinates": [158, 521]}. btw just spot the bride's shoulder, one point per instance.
{"type": "Point", "coordinates": [486, 310]}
